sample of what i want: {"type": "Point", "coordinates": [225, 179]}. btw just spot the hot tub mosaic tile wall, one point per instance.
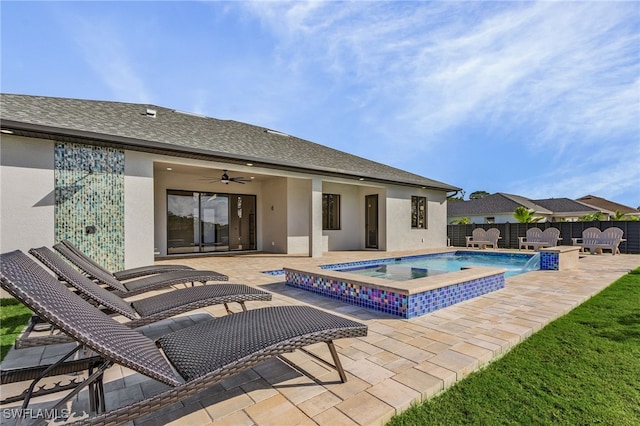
{"type": "Point", "coordinates": [402, 305]}
{"type": "Point", "coordinates": [89, 191]}
{"type": "Point", "coordinates": [549, 261]}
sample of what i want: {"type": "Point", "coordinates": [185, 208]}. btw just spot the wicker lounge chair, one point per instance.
{"type": "Point", "coordinates": [537, 239]}
{"type": "Point", "coordinates": [596, 241]}
{"type": "Point", "coordinates": [138, 285]}
{"type": "Point", "coordinates": [142, 311]}
{"type": "Point", "coordinates": [188, 360]}
{"type": "Point", "coordinates": [481, 238]}
{"type": "Point", "coordinates": [127, 274]}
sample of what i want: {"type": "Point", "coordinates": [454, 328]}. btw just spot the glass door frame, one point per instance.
{"type": "Point", "coordinates": [371, 220]}
{"type": "Point", "coordinates": [245, 220]}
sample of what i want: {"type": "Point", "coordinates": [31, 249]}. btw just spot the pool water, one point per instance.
{"type": "Point", "coordinates": [407, 268]}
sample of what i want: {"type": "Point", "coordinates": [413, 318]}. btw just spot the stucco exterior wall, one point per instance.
{"type": "Point", "coordinates": [298, 215]}
{"type": "Point", "coordinates": [273, 204]}
{"type": "Point", "coordinates": [400, 235]}
{"type": "Point", "coordinates": [27, 200]}
{"type": "Point", "coordinates": [139, 207]}
{"type": "Point", "coordinates": [350, 234]}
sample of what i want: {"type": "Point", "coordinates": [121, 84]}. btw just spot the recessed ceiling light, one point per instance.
{"type": "Point", "coordinates": [169, 168]}
{"type": "Point", "coordinates": [361, 179]}
{"type": "Point", "coordinates": [7, 131]}
{"type": "Point", "coordinates": [249, 164]}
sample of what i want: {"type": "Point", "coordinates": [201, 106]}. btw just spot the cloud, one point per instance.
{"type": "Point", "coordinates": [566, 71]}
{"type": "Point", "coordinates": [105, 51]}
{"type": "Point", "coordinates": [613, 173]}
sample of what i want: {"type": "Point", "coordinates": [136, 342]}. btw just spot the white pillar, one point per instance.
{"type": "Point", "coordinates": [315, 221]}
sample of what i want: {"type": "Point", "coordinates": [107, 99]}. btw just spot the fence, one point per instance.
{"type": "Point", "coordinates": [511, 231]}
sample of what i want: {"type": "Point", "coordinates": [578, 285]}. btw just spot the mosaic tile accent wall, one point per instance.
{"type": "Point", "coordinates": [423, 303]}
{"type": "Point", "coordinates": [549, 261]}
{"type": "Point", "coordinates": [402, 305]}
{"type": "Point", "coordinates": [89, 191]}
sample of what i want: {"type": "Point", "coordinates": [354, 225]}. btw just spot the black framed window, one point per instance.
{"type": "Point", "coordinates": [331, 211]}
{"type": "Point", "coordinates": [419, 212]}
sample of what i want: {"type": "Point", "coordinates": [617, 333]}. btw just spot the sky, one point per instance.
{"type": "Point", "coordinates": [538, 99]}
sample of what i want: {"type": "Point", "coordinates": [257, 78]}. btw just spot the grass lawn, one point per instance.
{"type": "Point", "coordinates": [13, 318]}
{"type": "Point", "coordinates": [583, 368]}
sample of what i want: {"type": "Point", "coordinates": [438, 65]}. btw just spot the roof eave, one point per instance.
{"type": "Point", "coordinates": [49, 132]}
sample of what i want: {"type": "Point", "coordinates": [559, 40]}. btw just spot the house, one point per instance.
{"type": "Point", "coordinates": [608, 208]}
{"type": "Point", "coordinates": [500, 207]}
{"type": "Point", "coordinates": [126, 181]}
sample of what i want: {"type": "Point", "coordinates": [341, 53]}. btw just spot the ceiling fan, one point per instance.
{"type": "Point", "coordinates": [226, 179]}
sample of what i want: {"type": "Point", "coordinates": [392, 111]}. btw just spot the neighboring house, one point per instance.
{"type": "Point", "coordinates": [609, 208]}
{"type": "Point", "coordinates": [500, 207]}
{"type": "Point", "coordinates": [125, 181]}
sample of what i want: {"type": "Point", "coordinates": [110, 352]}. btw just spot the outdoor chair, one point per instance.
{"type": "Point", "coordinates": [596, 241]}
{"type": "Point", "coordinates": [481, 238]}
{"type": "Point", "coordinates": [138, 285]}
{"type": "Point", "coordinates": [188, 361]}
{"type": "Point", "coordinates": [142, 311]}
{"type": "Point", "coordinates": [537, 239]}
{"type": "Point", "coordinates": [127, 274]}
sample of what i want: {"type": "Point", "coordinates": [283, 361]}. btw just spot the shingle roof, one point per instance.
{"type": "Point", "coordinates": [498, 203]}
{"type": "Point", "coordinates": [183, 134]}
{"type": "Point", "coordinates": [501, 203]}
{"type": "Point", "coordinates": [604, 204]}
{"type": "Point", "coordinates": [565, 205]}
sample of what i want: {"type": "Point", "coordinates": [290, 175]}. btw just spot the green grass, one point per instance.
{"type": "Point", "coordinates": [13, 318]}
{"type": "Point", "coordinates": [582, 369]}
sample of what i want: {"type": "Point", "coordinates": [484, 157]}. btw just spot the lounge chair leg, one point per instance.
{"type": "Point", "coordinates": [95, 377]}
{"type": "Point", "coordinates": [337, 365]}
{"type": "Point", "coordinates": [97, 403]}
{"type": "Point", "coordinates": [336, 361]}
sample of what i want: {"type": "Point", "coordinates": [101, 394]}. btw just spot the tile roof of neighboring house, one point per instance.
{"type": "Point", "coordinates": [565, 205]}
{"type": "Point", "coordinates": [498, 203]}
{"type": "Point", "coordinates": [604, 204]}
{"type": "Point", "coordinates": [501, 203]}
{"type": "Point", "coordinates": [167, 131]}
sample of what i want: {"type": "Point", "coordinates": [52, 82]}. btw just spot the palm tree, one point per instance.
{"type": "Point", "coordinates": [524, 215]}
{"type": "Point", "coordinates": [461, 221]}
{"type": "Point", "coordinates": [618, 216]}
{"type": "Point", "coordinates": [591, 217]}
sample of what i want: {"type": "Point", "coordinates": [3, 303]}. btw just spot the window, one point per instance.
{"type": "Point", "coordinates": [331, 211]}
{"type": "Point", "coordinates": [419, 212]}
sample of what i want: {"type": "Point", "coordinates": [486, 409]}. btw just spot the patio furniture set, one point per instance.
{"type": "Point", "coordinates": [593, 239]}
{"type": "Point", "coordinates": [81, 307]}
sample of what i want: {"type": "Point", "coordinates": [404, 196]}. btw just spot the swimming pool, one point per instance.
{"type": "Point", "coordinates": [412, 267]}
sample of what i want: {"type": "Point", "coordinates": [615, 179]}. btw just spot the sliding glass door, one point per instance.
{"type": "Point", "coordinates": [200, 222]}
{"type": "Point", "coordinates": [214, 222]}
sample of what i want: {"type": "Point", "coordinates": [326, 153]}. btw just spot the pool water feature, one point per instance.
{"type": "Point", "coordinates": [412, 267]}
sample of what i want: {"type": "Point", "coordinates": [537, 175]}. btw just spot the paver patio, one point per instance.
{"type": "Point", "coordinates": [398, 363]}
